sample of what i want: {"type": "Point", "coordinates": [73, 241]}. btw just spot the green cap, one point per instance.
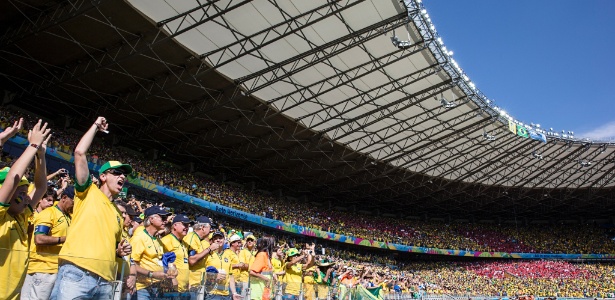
{"type": "Point", "coordinates": [292, 252]}
{"type": "Point", "coordinates": [114, 164]}
{"type": "Point", "coordinates": [5, 172]}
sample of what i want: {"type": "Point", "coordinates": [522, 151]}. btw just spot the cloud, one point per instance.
{"type": "Point", "coordinates": [603, 132]}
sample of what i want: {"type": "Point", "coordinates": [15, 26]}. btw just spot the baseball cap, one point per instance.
{"type": "Point", "coordinates": [251, 236]}
{"type": "Point", "coordinates": [203, 220]}
{"type": "Point", "coordinates": [137, 219]}
{"type": "Point", "coordinates": [69, 192]}
{"type": "Point", "coordinates": [131, 212]}
{"type": "Point", "coordinates": [156, 210]}
{"type": "Point", "coordinates": [182, 218]}
{"type": "Point", "coordinates": [114, 164]}
{"type": "Point", "coordinates": [5, 171]}
{"type": "Point", "coordinates": [217, 233]}
{"type": "Point", "coordinates": [234, 238]}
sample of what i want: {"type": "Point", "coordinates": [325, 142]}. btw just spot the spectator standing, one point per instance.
{"type": "Point", "coordinates": [235, 243]}
{"type": "Point", "coordinates": [324, 278]}
{"type": "Point", "coordinates": [16, 206]}
{"type": "Point", "coordinates": [224, 279]}
{"type": "Point", "coordinates": [294, 271]}
{"type": "Point", "coordinates": [174, 242]}
{"type": "Point", "coordinates": [95, 239]}
{"type": "Point", "coordinates": [50, 229]}
{"type": "Point", "coordinates": [124, 262]}
{"type": "Point", "coordinates": [246, 257]}
{"type": "Point", "coordinates": [278, 268]}
{"type": "Point", "coordinates": [199, 249]}
{"type": "Point", "coordinates": [147, 255]}
{"type": "Point", "coordinates": [261, 270]}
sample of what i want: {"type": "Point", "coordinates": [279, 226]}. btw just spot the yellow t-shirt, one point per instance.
{"type": "Point", "coordinates": [95, 232]}
{"type": "Point", "coordinates": [309, 279]}
{"type": "Point", "coordinates": [197, 245]}
{"type": "Point", "coordinates": [147, 252]}
{"type": "Point", "coordinates": [171, 243]}
{"type": "Point", "coordinates": [234, 260]}
{"type": "Point", "coordinates": [222, 263]}
{"type": "Point", "coordinates": [246, 256]}
{"type": "Point", "coordinates": [293, 278]}
{"type": "Point", "coordinates": [13, 251]}
{"type": "Point", "coordinates": [44, 258]}
{"type": "Point", "coordinates": [277, 267]}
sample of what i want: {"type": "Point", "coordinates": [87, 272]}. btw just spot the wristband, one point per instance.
{"type": "Point", "coordinates": [150, 274]}
{"type": "Point", "coordinates": [132, 275]}
{"type": "Point", "coordinates": [35, 146]}
{"type": "Point", "coordinates": [59, 240]}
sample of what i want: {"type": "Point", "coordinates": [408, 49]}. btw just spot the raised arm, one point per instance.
{"type": "Point", "coordinates": [40, 174]}
{"type": "Point", "coordinates": [82, 172]}
{"type": "Point", "coordinates": [36, 136]}
{"type": "Point", "coordinates": [11, 131]}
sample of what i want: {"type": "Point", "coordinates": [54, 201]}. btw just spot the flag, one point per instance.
{"type": "Point", "coordinates": [538, 136]}
{"type": "Point", "coordinates": [522, 131]}
{"type": "Point", "coordinates": [512, 127]}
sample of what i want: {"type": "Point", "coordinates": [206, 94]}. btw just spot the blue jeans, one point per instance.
{"type": "Point", "coordinates": [74, 282]}
{"type": "Point", "coordinates": [289, 297]}
{"type": "Point", "coordinates": [217, 297]}
{"type": "Point", "coordinates": [142, 294]}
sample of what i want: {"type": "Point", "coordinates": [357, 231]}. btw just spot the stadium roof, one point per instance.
{"type": "Point", "coordinates": [354, 102]}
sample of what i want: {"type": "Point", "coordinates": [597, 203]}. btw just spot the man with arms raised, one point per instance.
{"type": "Point", "coordinates": [16, 206]}
{"type": "Point", "coordinates": [88, 257]}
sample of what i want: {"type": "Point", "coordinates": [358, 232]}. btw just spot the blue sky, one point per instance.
{"type": "Point", "coordinates": [547, 62]}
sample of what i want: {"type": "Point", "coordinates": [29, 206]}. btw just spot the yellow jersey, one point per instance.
{"type": "Point", "coordinates": [234, 260]}
{"type": "Point", "coordinates": [293, 278]}
{"type": "Point", "coordinates": [171, 243]}
{"type": "Point", "coordinates": [276, 264]}
{"type": "Point", "coordinates": [13, 251]}
{"type": "Point", "coordinates": [222, 263]}
{"type": "Point", "coordinates": [96, 230]}
{"type": "Point", "coordinates": [309, 279]}
{"type": "Point", "coordinates": [196, 245]}
{"type": "Point", "coordinates": [147, 252]}
{"type": "Point", "coordinates": [246, 256]}
{"type": "Point", "coordinates": [52, 222]}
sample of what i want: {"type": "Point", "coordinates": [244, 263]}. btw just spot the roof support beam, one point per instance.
{"type": "Point", "coordinates": [33, 24]}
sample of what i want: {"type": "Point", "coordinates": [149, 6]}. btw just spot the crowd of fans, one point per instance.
{"type": "Point", "coordinates": [560, 238]}
{"type": "Point", "coordinates": [156, 245]}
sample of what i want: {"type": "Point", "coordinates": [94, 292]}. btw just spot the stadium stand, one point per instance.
{"type": "Point", "coordinates": [404, 277]}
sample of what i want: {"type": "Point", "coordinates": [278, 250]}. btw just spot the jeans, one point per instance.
{"type": "Point", "coordinates": [217, 297]}
{"type": "Point", "coordinates": [74, 282]}
{"type": "Point", "coordinates": [38, 286]}
{"type": "Point", "coordinates": [142, 294]}
{"type": "Point", "coordinates": [289, 297]}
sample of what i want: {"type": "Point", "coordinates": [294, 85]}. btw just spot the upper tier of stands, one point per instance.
{"type": "Point", "coordinates": [526, 238]}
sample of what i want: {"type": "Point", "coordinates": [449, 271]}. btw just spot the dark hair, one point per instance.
{"type": "Point", "coordinates": [50, 192]}
{"type": "Point", "coordinates": [120, 203]}
{"type": "Point", "coordinates": [265, 244]}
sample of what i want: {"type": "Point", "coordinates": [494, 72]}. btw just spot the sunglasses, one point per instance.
{"type": "Point", "coordinates": [116, 172]}
{"type": "Point", "coordinates": [164, 218]}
